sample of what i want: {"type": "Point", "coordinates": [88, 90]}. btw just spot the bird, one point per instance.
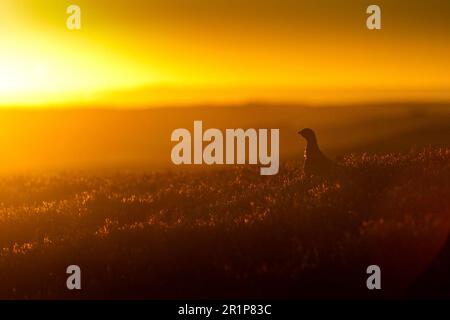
{"type": "Point", "coordinates": [316, 163]}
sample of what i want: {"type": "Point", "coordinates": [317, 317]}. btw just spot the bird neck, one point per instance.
{"type": "Point", "coordinates": [312, 145]}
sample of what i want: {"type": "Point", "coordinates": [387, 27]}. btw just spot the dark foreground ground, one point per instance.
{"type": "Point", "coordinates": [231, 233]}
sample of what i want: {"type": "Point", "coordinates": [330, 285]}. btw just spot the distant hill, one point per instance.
{"type": "Point", "coordinates": [109, 138]}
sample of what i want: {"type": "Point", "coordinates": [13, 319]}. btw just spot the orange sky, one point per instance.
{"type": "Point", "coordinates": [172, 51]}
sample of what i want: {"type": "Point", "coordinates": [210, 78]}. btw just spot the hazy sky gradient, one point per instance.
{"type": "Point", "coordinates": [256, 49]}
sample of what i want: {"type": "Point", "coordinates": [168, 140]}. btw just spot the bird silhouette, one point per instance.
{"type": "Point", "coordinates": [316, 163]}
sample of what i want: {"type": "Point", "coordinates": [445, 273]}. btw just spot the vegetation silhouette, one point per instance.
{"type": "Point", "coordinates": [227, 233]}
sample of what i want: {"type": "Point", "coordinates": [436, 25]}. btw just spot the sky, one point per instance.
{"type": "Point", "coordinates": [153, 52]}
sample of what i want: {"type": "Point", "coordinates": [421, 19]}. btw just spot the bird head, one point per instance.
{"type": "Point", "coordinates": [308, 134]}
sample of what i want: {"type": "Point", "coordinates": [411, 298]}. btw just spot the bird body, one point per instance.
{"type": "Point", "coordinates": [316, 163]}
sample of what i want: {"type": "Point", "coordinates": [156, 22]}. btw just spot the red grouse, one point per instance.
{"type": "Point", "coordinates": [316, 163]}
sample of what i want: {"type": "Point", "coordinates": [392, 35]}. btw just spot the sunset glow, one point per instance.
{"type": "Point", "coordinates": [174, 53]}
